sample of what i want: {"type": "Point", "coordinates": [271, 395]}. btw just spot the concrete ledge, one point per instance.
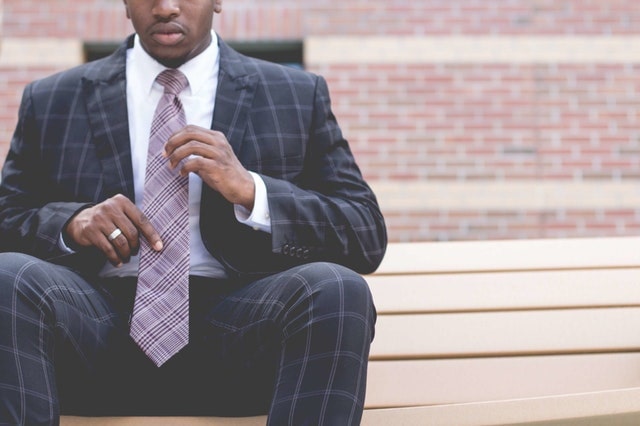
{"type": "Point", "coordinates": [512, 195]}
{"type": "Point", "coordinates": [466, 49]}
{"type": "Point", "coordinates": [40, 52]}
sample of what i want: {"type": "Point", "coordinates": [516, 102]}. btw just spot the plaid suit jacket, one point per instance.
{"type": "Point", "coordinates": [71, 149]}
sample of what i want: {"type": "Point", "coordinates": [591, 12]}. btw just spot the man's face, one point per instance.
{"type": "Point", "coordinates": [173, 31]}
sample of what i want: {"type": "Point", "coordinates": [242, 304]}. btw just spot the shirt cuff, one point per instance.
{"type": "Point", "coordinates": [63, 246]}
{"type": "Point", "coordinates": [258, 218]}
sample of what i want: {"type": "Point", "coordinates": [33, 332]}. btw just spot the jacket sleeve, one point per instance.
{"type": "Point", "coordinates": [31, 218]}
{"type": "Point", "coordinates": [331, 213]}
{"type": "Point", "coordinates": [320, 207]}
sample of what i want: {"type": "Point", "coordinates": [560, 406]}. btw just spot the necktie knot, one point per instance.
{"type": "Point", "coordinates": [173, 81]}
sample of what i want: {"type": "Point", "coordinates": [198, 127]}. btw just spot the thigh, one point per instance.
{"type": "Point", "coordinates": [50, 304]}
{"type": "Point", "coordinates": [55, 326]}
{"type": "Point", "coordinates": [327, 288]}
{"type": "Point", "coordinates": [263, 333]}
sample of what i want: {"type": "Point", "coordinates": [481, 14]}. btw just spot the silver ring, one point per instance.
{"type": "Point", "coordinates": [115, 234]}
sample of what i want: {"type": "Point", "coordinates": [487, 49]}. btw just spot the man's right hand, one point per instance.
{"type": "Point", "coordinates": [97, 226]}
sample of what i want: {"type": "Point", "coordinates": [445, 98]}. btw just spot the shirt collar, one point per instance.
{"type": "Point", "coordinates": [197, 70]}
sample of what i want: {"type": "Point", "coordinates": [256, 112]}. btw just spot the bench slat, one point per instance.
{"type": "Point", "coordinates": [618, 407]}
{"type": "Point", "coordinates": [506, 290]}
{"type": "Point", "coordinates": [446, 381]}
{"type": "Point", "coordinates": [471, 325]}
{"type": "Point", "coordinates": [505, 255]}
{"type": "Point", "coordinates": [506, 333]}
{"type": "Point", "coordinates": [613, 407]}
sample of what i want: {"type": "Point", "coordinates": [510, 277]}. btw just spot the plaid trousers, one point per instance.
{"type": "Point", "coordinates": [294, 345]}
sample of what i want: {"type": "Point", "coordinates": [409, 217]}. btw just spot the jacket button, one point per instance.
{"type": "Point", "coordinates": [285, 249]}
{"type": "Point", "coordinates": [299, 253]}
{"type": "Point", "coordinates": [306, 253]}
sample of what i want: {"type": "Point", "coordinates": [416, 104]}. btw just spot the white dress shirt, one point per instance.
{"type": "Point", "coordinates": [143, 94]}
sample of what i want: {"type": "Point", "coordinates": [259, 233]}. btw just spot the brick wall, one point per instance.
{"type": "Point", "coordinates": [491, 121]}
{"type": "Point", "coordinates": [459, 140]}
{"type": "Point", "coordinates": [100, 19]}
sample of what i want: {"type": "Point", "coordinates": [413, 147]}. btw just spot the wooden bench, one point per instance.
{"type": "Point", "coordinates": [496, 332]}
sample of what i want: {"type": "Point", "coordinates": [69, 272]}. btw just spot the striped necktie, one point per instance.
{"type": "Point", "coordinates": [160, 320]}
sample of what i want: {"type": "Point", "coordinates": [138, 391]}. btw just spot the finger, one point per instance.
{"type": "Point", "coordinates": [195, 165]}
{"type": "Point", "coordinates": [134, 225]}
{"type": "Point", "coordinates": [102, 242]}
{"type": "Point", "coordinates": [189, 135]}
{"type": "Point", "coordinates": [117, 234]}
{"type": "Point", "coordinates": [93, 226]}
{"type": "Point", "coordinates": [184, 135]}
{"type": "Point", "coordinates": [145, 227]}
{"type": "Point", "coordinates": [192, 149]}
{"type": "Point", "coordinates": [127, 241]}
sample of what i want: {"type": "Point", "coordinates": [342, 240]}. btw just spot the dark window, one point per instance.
{"type": "Point", "coordinates": [281, 52]}
{"type": "Point", "coordinates": [93, 51]}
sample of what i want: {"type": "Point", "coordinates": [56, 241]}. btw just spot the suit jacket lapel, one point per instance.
{"type": "Point", "coordinates": [234, 97]}
{"type": "Point", "coordinates": [105, 96]}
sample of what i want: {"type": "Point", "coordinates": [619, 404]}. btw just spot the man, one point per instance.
{"type": "Point", "coordinates": [280, 224]}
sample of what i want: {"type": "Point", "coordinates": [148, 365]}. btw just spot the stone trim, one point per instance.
{"type": "Point", "coordinates": [481, 49]}
{"type": "Point", "coordinates": [494, 195]}
{"type": "Point", "coordinates": [40, 52]}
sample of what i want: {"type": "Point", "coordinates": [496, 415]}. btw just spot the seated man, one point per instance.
{"type": "Point", "coordinates": [183, 231]}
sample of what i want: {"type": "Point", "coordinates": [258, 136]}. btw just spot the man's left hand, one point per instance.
{"type": "Point", "coordinates": [208, 154]}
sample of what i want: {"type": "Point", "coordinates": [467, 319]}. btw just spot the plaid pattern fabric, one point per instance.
{"type": "Point", "coordinates": [72, 144]}
{"type": "Point", "coordinates": [48, 315]}
{"type": "Point", "coordinates": [324, 316]}
{"type": "Point", "coordinates": [71, 149]}
{"type": "Point", "coordinates": [294, 345]}
{"type": "Point", "coordinates": [160, 322]}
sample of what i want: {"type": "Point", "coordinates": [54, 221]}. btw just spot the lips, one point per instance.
{"type": "Point", "coordinates": [167, 34]}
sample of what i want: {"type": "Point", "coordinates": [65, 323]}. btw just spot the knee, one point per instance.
{"type": "Point", "coordinates": [14, 268]}
{"type": "Point", "coordinates": [336, 289]}
{"type": "Point", "coordinates": [24, 278]}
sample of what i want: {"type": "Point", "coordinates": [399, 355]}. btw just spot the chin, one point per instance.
{"type": "Point", "coordinates": [171, 62]}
